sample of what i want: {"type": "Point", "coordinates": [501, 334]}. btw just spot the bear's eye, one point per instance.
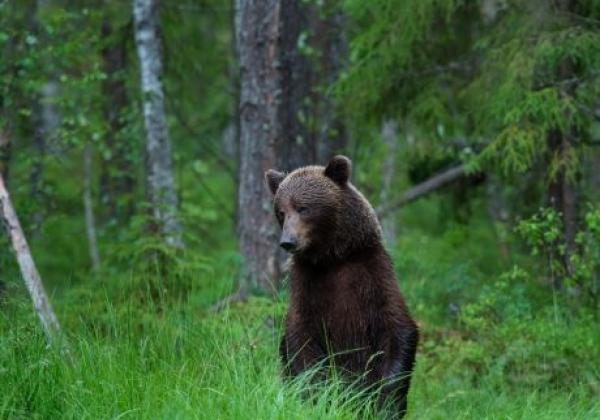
{"type": "Point", "coordinates": [280, 215]}
{"type": "Point", "coordinates": [302, 210]}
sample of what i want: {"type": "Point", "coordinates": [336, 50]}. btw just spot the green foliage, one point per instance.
{"type": "Point", "coordinates": [544, 233]}
{"type": "Point", "coordinates": [45, 44]}
{"type": "Point", "coordinates": [464, 86]}
{"type": "Point", "coordinates": [451, 69]}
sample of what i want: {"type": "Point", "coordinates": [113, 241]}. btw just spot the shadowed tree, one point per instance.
{"type": "Point", "coordinates": [117, 173]}
{"type": "Point", "coordinates": [328, 27]}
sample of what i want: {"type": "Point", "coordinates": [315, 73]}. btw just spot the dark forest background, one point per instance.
{"type": "Point", "coordinates": [134, 136]}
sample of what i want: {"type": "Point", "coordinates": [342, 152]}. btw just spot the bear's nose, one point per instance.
{"type": "Point", "coordinates": [288, 244]}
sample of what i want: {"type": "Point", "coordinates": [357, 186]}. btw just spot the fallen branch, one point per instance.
{"type": "Point", "coordinates": [28, 270]}
{"type": "Point", "coordinates": [423, 189]}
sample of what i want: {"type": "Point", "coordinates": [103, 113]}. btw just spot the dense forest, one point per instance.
{"type": "Point", "coordinates": [140, 272]}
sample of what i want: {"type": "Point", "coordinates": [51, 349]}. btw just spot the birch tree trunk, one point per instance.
{"type": "Point", "coordinates": [389, 133]}
{"type": "Point", "coordinates": [161, 185]}
{"type": "Point", "coordinates": [45, 121]}
{"type": "Point", "coordinates": [90, 220]}
{"type": "Point", "coordinates": [29, 272]}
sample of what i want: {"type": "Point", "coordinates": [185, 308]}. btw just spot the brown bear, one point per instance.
{"type": "Point", "coordinates": [346, 309]}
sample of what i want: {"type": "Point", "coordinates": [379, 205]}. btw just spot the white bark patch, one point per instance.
{"type": "Point", "coordinates": [161, 185]}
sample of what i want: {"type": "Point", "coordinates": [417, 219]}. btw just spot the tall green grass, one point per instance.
{"type": "Point", "coordinates": [173, 359]}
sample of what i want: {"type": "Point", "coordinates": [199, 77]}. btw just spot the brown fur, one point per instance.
{"type": "Point", "coordinates": [345, 305]}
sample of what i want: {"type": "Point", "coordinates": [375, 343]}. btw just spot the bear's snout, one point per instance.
{"type": "Point", "coordinates": [288, 243]}
{"type": "Point", "coordinates": [294, 234]}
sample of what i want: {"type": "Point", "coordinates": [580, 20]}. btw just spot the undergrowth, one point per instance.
{"type": "Point", "coordinates": [146, 345]}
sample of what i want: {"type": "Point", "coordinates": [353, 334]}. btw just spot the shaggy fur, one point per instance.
{"type": "Point", "coordinates": [346, 308]}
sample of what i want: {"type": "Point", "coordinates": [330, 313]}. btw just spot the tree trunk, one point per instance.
{"type": "Point", "coordinates": [50, 115]}
{"type": "Point", "coordinates": [257, 33]}
{"type": "Point", "coordinates": [28, 270]}
{"type": "Point", "coordinates": [117, 177]}
{"type": "Point", "coordinates": [563, 189]}
{"type": "Point", "coordinates": [90, 220]}
{"type": "Point", "coordinates": [562, 197]}
{"type": "Point", "coordinates": [45, 121]}
{"type": "Point", "coordinates": [161, 185]}
{"type": "Point", "coordinates": [280, 119]}
{"type": "Point", "coordinates": [331, 42]}
{"type": "Point", "coordinates": [389, 134]}
{"type": "Point", "coordinates": [5, 152]}
{"type": "Point", "coordinates": [297, 85]}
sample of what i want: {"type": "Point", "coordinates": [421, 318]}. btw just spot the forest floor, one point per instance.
{"type": "Point", "coordinates": [493, 346]}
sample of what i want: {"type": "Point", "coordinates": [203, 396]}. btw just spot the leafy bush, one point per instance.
{"type": "Point", "coordinates": [544, 233]}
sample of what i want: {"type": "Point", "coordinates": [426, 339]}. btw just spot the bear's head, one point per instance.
{"type": "Point", "coordinates": [321, 214]}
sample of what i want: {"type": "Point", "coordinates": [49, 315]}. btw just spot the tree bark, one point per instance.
{"type": "Point", "coordinates": [257, 34]}
{"type": "Point", "coordinates": [161, 185]}
{"type": "Point", "coordinates": [280, 118]}
{"type": "Point", "coordinates": [332, 44]}
{"type": "Point", "coordinates": [297, 84]}
{"type": "Point", "coordinates": [274, 83]}
{"type": "Point", "coordinates": [28, 270]}
{"type": "Point", "coordinates": [422, 189]}
{"type": "Point", "coordinates": [90, 220]}
{"type": "Point", "coordinates": [389, 134]}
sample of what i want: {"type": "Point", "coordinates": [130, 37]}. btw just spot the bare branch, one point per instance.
{"type": "Point", "coordinates": [423, 189]}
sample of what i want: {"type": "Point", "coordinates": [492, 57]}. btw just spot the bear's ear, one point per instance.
{"type": "Point", "coordinates": [273, 179]}
{"type": "Point", "coordinates": [339, 169]}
